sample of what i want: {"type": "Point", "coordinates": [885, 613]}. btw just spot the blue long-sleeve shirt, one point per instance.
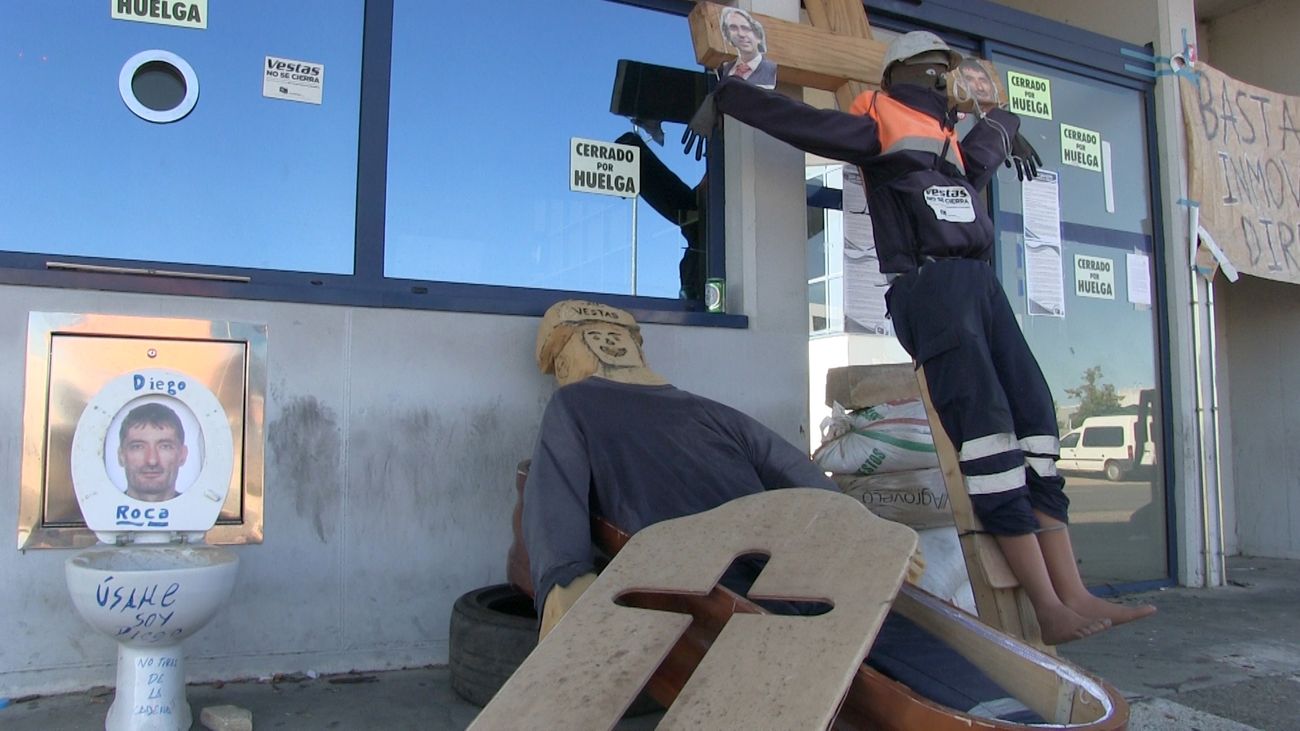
{"type": "Point", "coordinates": [638, 455]}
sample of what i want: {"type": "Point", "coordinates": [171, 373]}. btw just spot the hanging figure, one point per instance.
{"type": "Point", "coordinates": [935, 239]}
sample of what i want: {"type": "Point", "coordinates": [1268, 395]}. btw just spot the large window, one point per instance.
{"type": "Point", "coordinates": [391, 152]}
{"type": "Point", "coordinates": [825, 253]}
{"type": "Point", "coordinates": [243, 180]}
{"type": "Point", "coordinates": [481, 120]}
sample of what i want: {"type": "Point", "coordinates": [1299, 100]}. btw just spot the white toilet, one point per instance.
{"type": "Point", "coordinates": [151, 463]}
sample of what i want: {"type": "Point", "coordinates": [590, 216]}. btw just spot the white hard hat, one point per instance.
{"type": "Point", "coordinates": [914, 44]}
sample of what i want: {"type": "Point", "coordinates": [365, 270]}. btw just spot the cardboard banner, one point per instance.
{"type": "Point", "coordinates": [1244, 169]}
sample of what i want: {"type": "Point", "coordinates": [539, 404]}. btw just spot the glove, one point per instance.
{"type": "Point", "coordinates": [1025, 157]}
{"type": "Point", "coordinates": [652, 127]}
{"type": "Point", "coordinates": [701, 127]}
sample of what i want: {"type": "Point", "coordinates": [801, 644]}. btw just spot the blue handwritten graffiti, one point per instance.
{"type": "Point", "coordinates": [147, 383]}
{"type": "Point", "coordinates": [156, 517]}
{"type": "Point", "coordinates": [121, 598]}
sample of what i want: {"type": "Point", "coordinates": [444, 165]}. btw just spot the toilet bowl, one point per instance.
{"type": "Point", "coordinates": [152, 457]}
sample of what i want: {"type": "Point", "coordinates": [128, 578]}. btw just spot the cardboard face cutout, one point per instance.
{"type": "Point", "coordinates": [613, 346]}
{"type": "Point", "coordinates": [579, 339]}
{"type": "Point", "coordinates": [743, 33]}
{"type": "Point", "coordinates": [975, 81]}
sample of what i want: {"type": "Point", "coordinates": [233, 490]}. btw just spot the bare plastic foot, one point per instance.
{"type": "Point", "coordinates": [1062, 624]}
{"type": "Point", "coordinates": [1117, 614]}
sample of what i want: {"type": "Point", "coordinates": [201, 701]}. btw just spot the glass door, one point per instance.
{"type": "Point", "coordinates": [1075, 255]}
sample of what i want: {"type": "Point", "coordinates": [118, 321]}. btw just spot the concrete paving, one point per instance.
{"type": "Point", "coordinates": [1215, 660]}
{"type": "Point", "coordinates": [1232, 652]}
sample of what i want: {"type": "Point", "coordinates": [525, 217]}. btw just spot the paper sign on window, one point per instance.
{"type": "Point", "coordinates": [295, 81]}
{"type": "Point", "coordinates": [182, 13]}
{"type": "Point", "coordinates": [1080, 147]}
{"type": "Point", "coordinates": [1094, 276]}
{"type": "Point", "coordinates": [1030, 96]}
{"type": "Point", "coordinates": [607, 168]}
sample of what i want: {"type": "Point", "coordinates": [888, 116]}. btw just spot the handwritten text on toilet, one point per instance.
{"type": "Point", "coordinates": [149, 383]}
{"type": "Point", "coordinates": [146, 608]}
{"type": "Point", "coordinates": [161, 670]}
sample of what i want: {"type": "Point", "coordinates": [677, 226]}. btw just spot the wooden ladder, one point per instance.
{"type": "Point", "coordinates": [999, 599]}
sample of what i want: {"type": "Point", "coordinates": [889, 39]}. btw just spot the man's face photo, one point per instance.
{"type": "Point", "coordinates": [977, 80]}
{"type": "Point", "coordinates": [740, 33]}
{"type": "Point", "coordinates": [151, 454]}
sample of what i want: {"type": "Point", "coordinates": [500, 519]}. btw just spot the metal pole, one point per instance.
{"type": "Point", "coordinates": [635, 200]}
{"type": "Point", "coordinates": [1220, 558]}
{"type": "Point", "coordinates": [1199, 370]}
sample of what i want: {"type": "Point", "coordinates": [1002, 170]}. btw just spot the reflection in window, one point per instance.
{"type": "Point", "coordinates": [485, 99]}
{"type": "Point", "coordinates": [241, 181]}
{"type": "Point", "coordinates": [825, 252]}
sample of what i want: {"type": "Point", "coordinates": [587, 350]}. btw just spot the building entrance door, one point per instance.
{"type": "Point", "coordinates": [1075, 255]}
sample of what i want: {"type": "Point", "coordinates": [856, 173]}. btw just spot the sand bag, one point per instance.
{"type": "Point", "coordinates": [917, 499]}
{"type": "Point", "coordinates": [889, 437]}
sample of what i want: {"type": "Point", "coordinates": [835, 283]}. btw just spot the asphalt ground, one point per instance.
{"type": "Point", "coordinates": [1225, 659]}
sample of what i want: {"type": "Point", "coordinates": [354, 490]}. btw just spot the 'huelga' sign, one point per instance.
{"type": "Point", "coordinates": [607, 168]}
{"type": "Point", "coordinates": [183, 13]}
{"type": "Point", "coordinates": [1244, 161]}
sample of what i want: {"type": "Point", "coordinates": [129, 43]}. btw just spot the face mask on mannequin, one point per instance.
{"type": "Point", "coordinates": [928, 76]}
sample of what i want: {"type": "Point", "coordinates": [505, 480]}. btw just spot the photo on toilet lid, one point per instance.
{"type": "Point", "coordinates": [153, 450]}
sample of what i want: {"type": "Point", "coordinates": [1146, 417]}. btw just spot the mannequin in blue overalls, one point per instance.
{"type": "Point", "coordinates": [935, 238]}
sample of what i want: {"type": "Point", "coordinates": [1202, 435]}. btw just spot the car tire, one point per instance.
{"type": "Point", "coordinates": [1114, 471]}
{"type": "Point", "coordinates": [493, 628]}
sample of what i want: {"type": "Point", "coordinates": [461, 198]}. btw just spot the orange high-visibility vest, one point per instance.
{"type": "Point", "coordinates": [901, 127]}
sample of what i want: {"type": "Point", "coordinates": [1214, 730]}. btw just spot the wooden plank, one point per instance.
{"type": "Point", "coordinates": [845, 17]}
{"type": "Point", "coordinates": [1017, 668]}
{"type": "Point", "coordinates": [880, 704]}
{"type": "Point", "coordinates": [860, 386]}
{"type": "Point", "coordinates": [823, 546]}
{"type": "Point", "coordinates": [999, 599]}
{"type": "Point", "coordinates": [805, 55]}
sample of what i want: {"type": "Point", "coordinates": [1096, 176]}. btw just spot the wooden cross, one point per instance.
{"type": "Point", "coordinates": [824, 547]}
{"type": "Point", "coordinates": [837, 53]}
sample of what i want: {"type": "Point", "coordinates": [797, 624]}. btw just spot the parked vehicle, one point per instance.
{"type": "Point", "coordinates": [1112, 445]}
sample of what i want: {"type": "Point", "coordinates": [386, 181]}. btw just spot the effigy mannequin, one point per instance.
{"type": "Point", "coordinates": [617, 440]}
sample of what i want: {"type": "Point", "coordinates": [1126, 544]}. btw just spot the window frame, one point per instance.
{"type": "Point", "coordinates": [367, 286]}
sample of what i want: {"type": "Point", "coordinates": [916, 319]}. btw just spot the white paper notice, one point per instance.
{"type": "Point", "coordinates": [1094, 276]}
{"type": "Point", "coordinates": [1139, 279]}
{"type": "Point", "coordinates": [1041, 202]}
{"type": "Point", "coordinates": [864, 285]}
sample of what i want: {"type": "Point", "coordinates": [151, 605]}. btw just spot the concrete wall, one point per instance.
{"type": "Point", "coordinates": [1134, 22]}
{"type": "Point", "coordinates": [1257, 44]}
{"type": "Point", "coordinates": [833, 351]}
{"type": "Point", "coordinates": [1263, 337]}
{"type": "Point", "coordinates": [392, 439]}
{"type": "Point", "coordinates": [1257, 330]}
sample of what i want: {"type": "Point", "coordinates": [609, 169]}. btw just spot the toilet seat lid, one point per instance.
{"type": "Point", "coordinates": [147, 434]}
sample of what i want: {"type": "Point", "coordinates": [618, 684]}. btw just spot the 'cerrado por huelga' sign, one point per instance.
{"type": "Point", "coordinates": [1244, 169]}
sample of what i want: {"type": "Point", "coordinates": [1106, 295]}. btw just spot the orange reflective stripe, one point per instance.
{"type": "Point", "coordinates": [902, 128]}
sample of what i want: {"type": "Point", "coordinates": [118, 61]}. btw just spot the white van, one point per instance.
{"type": "Point", "coordinates": [1107, 444]}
